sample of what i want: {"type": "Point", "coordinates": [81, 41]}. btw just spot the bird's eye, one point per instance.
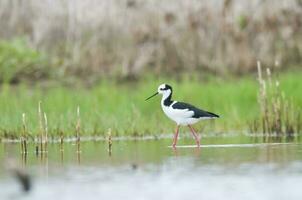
{"type": "Point", "coordinates": [161, 88]}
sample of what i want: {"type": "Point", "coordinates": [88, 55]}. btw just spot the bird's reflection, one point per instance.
{"type": "Point", "coordinates": [196, 151]}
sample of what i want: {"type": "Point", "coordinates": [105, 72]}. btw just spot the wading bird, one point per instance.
{"type": "Point", "coordinates": [182, 113]}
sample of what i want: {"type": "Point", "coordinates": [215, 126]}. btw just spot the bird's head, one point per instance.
{"type": "Point", "coordinates": [163, 89]}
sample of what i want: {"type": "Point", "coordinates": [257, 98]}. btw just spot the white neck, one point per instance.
{"type": "Point", "coordinates": [165, 96]}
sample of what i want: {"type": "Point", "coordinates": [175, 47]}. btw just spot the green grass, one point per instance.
{"type": "Point", "coordinates": [20, 61]}
{"type": "Point", "coordinates": [122, 107]}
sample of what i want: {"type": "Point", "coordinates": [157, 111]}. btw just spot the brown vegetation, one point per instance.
{"type": "Point", "coordinates": [126, 37]}
{"type": "Point", "coordinates": [278, 116]}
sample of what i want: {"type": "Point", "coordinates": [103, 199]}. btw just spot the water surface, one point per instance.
{"type": "Point", "coordinates": [223, 168]}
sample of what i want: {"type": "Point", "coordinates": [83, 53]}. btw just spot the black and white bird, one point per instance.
{"type": "Point", "coordinates": [183, 114]}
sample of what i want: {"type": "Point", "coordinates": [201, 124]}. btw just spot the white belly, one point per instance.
{"type": "Point", "coordinates": [181, 117]}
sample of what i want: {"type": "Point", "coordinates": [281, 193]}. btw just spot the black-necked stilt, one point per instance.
{"type": "Point", "coordinates": [182, 113]}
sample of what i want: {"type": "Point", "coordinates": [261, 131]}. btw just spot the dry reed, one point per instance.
{"type": "Point", "coordinates": [41, 129]}
{"type": "Point", "coordinates": [117, 37]}
{"type": "Point", "coordinates": [109, 141]}
{"type": "Point", "coordinates": [61, 141]}
{"type": "Point", "coordinates": [24, 138]}
{"type": "Point", "coordinates": [278, 116]}
{"type": "Point", "coordinates": [78, 130]}
{"type": "Point", "coordinates": [46, 133]}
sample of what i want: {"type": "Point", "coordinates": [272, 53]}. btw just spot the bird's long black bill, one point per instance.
{"type": "Point", "coordinates": [152, 96]}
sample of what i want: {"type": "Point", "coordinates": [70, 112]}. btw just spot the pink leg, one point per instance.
{"type": "Point", "coordinates": [175, 137]}
{"type": "Point", "coordinates": [195, 135]}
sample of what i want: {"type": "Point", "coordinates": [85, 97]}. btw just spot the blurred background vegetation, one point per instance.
{"type": "Point", "coordinates": [127, 38]}
{"type": "Point", "coordinates": [128, 45]}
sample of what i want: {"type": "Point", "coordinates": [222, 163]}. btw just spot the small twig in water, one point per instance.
{"type": "Point", "coordinates": [78, 129]}
{"type": "Point", "coordinates": [41, 130]}
{"type": "Point", "coordinates": [109, 141]}
{"type": "Point", "coordinates": [24, 134]}
{"type": "Point", "coordinates": [46, 132]}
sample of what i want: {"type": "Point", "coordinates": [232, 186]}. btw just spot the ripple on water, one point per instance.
{"type": "Point", "coordinates": [167, 181]}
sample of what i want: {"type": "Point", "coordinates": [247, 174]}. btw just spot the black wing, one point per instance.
{"type": "Point", "coordinates": [198, 113]}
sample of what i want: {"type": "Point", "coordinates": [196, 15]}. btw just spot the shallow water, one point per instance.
{"type": "Point", "coordinates": [223, 168]}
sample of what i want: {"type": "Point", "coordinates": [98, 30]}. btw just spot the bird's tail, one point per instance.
{"type": "Point", "coordinates": [213, 115]}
